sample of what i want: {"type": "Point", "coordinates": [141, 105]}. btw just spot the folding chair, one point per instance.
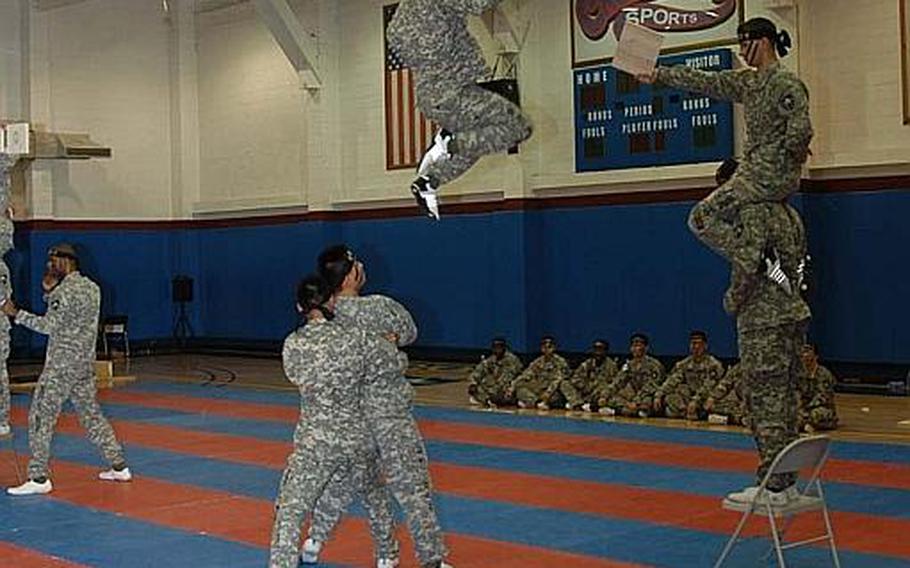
{"type": "Point", "coordinates": [116, 325]}
{"type": "Point", "coordinates": [809, 453]}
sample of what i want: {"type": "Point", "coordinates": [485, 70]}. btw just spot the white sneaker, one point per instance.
{"type": "Point", "coordinates": [586, 407]}
{"type": "Point", "coordinates": [4, 430]}
{"type": "Point", "coordinates": [774, 498]}
{"type": "Point", "coordinates": [717, 419]}
{"type": "Point", "coordinates": [309, 554]}
{"type": "Point", "coordinates": [31, 488]}
{"type": "Point", "coordinates": [425, 195]}
{"type": "Point", "coordinates": [387, 562]}
{"type": "Point", "coordinates": [473, 401]}
{"type": "Point", "coordinates": [432, 201]}
{"type": "Point", "coordinates": [437, 152]}
{"type": "Point", "coordinates": [543, 406]}
{"type": "Point", "coordinates": [569, 406]}
{"type": "Point", "coordinates": [607, 411]}
{"type": "Point", "coordinates": [642, 413]}
{"type": "Point", "coordinates": [116, 475]}
{"type": "Point", "coordinates": [747, 495]}
{"type": "Point", "coordinates": [522, 404]}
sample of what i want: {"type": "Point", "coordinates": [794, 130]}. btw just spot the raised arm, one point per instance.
{"type": "Point", "coordinates": [727, 85]}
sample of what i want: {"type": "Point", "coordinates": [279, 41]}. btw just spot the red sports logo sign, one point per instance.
{"type": "Point", "coordinates": [688, 24]}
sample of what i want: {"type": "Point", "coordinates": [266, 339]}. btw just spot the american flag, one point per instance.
{"type": "Point", "coordinates": [407, 131]}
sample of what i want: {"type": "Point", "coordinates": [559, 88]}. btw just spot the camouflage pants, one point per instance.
{"type": "Point", "coordinates": [731, 406]}
{"type": "Point", "coordinates": [820, 418]}
{"type": "Point", "coordinates": [486, 394]}
{"type": "Point", "coordinates": [365, 480]}
{"type": "Point", "coordinates": [308, 473]}
{"type": "Point", "coordinates": [531, 394]}
{"type": "Point", "coordinates": [578, 394]}
{"type": "Point", "coordinates": [676, 403]}
{"type": "Point", "coordinates": [483, 123]}
{"type": "Point", "coordinates": [715, 219]}
{"type": "Point", "coordinates": [4, 377]}
{"type": "Point", "coordinates": [403, 459]}
{"type": "Point", "coordinates": [770, 359]}
{"type": "Point", "coordinates": [55, 386]}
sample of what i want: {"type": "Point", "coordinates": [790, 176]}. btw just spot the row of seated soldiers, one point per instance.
{"type": "Point", "coordinates": [697, 387]}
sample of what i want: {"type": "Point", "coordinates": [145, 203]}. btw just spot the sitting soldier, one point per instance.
{"type": "Point", "coordinates": [539, 383]}
{"type": "Point", "coordinates": [591, 378]}
{"type": "Point", "coordinates": [726, 401]}
{"type": "Point", "coordinates": [817, 410]}
{"type": "Point", "coordinates": [493, 376]}
{"type": "Point", "coordinates": [631, 392]}
{"type": "Point", "coordinates": [681, 394]}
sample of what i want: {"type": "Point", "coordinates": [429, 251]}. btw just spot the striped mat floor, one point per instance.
{"type": "Point", "coordinates": [529, 491]}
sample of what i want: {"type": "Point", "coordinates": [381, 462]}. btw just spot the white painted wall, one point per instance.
{"type": "Point", "coordinates": [852, 65]}
{"type": "Point", "coordinates": [101, 66]}
{"type": "Point", "coordinates": [206, 115]}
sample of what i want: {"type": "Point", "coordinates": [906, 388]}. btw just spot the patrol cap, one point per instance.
{"type": "Point", "coordinates": [641, 337]}
{"type": "Point", "coordinates": [603, 342]}
{"type": "Point", "coordinates": [548, 338]}
{"type": "Point", "coordinates": [499, 340]}
{"type": "Point", "coordinates": [698, 334]}
{"type": "Point", "coordinates": [63, 250]}
{"type": "Point", "coordinates": [758, 28]}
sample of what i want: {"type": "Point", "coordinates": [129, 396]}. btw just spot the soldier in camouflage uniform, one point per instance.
{"type": "Point", "coordinates": [491, 378]}
{"type": "Point", "coordinates": [682, 394]}
{"type": "Point", "coordinates": [778, 131]}
{"type": "Point", "coordinates": [771, 321]}
{"type": "Point", "coordinates": [432, 38]}
{"type": "Point", "coordinates": [329, 360]}
{"type": "Point", "coordinates": [71, 324]}
{"type": "Point", "coordinates": [539, 384]}
{"type": "Point", "coordinates": [387, 407]}
{"type": "Point", "coordinates": [632, 391]}
{"type": "Point", "coordinates": [6, 286]}
{"type": "Point", "coordinates": [726, 403]}
{"type": "Point", "coordinates": [591, 378]}
{"type": "Point", "coordinates": [817, 410]}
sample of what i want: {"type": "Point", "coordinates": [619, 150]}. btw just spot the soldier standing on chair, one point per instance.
{"type": "Point", "coordinates": [71, 324]}
{"type": "Point", "coordinates": [771, 321]}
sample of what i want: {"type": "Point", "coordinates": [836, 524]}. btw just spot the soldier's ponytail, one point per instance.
{"type": "Point", "coordinates": [313, 293]}
{"type": "Point", "coordinates": [783, 43]}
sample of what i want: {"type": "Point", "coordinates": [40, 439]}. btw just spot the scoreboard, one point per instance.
{"type": "Point", "coordinates": [621, 123]}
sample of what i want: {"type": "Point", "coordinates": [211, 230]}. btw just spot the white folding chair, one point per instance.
{"type": "Point", "coordinates": [802, 454]}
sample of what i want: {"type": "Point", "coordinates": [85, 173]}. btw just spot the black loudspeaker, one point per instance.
{"type": "Point", "coordinates": [507, 88]}
{"type": "Point", "coordinates": [182, 289]}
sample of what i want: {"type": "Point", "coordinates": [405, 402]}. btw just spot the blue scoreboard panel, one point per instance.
{"type": "Point", "coordinates": [621, 123]}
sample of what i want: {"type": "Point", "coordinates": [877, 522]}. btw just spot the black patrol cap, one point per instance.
{"type": "Point", "coordinates": [641, 337]}
{"type": "Point", "coordinates": [698, 334]}
{"type": "Point", "coordinates": [63, 250]}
